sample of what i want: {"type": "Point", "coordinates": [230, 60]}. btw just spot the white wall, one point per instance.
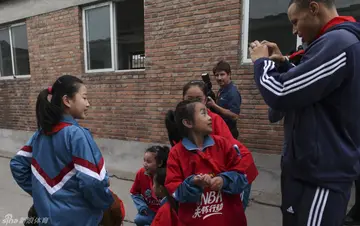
{"type": "Point", "coordinates": [12, 10]}
{"type": "Point", "coordinates": [262, 8]}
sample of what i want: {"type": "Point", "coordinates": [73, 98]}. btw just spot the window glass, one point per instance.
{"type": "Point", "coordinates": [98, 38]}
{"type": "Point", "coordinates": [20, 50]}
{"type": "Point", "coordinates": [5, 53]}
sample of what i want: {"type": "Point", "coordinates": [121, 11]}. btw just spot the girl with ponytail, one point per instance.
{"type": "Point", "coordinates": [196, 90]}
{"type": "Point", "coordinates": [61, 166]}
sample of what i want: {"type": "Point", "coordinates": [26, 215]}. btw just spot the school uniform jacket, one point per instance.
{"type": "Point", "coordinates": [165, 216]}
{"type": "Point", "coordinates": [142, 194]}
{"type": "Point", "coordinates": [65, 174]}
{"type": "Point", "coordinates": [198, 207]}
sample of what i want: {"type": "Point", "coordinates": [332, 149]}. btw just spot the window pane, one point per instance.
{"type": "Point", "coordinates": [20, 50]}
{"type": "Point", "coordinates": [268, 20]}
{"type": "Point", "coordinates": [98, 37]}
{"type": "Point", "coordinates": [349, 8]}
{"type": "Point", "coordinates": [130, 34]}
{"type": "Point", "coordinates": [5, 53]}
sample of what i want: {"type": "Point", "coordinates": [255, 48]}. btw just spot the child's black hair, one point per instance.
{"type": "Point", "coordinates": [162, 153]}
{"type": "Point", "coordinates": [197, 83]}
{"type": "Point", "coordinates": [172, 130]}
{"type": "Point", "coordinates": [49, 113]}
{"type": "Point", "coordinates": [185, 110]}
{"type": "Point", "coordinates": [160, 178]}
{"type": "Point", "coordinates": [174, 134]}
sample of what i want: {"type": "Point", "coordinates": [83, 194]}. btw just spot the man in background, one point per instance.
{"type": "Point", "coordinates": [228, 99]}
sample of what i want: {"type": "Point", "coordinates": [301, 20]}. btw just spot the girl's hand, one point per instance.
{"type": "Point", "coordinates": [202, 180]}
{"type": "Point", "coordinates": [217, 183]}
{"type": "Point", "coordinates": [144, 212]}
{"type": "Point", "coordinates": [206, 179]}
{"type": "Point", "coordinates": [198, 180]}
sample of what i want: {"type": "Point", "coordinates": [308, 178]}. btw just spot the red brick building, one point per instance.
{"type": "Point", "coordinates": [135, 56]}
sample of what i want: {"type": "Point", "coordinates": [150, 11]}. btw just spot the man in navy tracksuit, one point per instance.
{"type": "Point", "coordinates": [321, 100]}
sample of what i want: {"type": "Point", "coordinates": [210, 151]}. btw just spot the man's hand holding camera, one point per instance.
{"type": "Point", "coordinates": [210, 102]}
{"type": "Point", "coordinates": [265, 49]}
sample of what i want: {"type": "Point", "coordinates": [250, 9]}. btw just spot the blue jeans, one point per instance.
{"type": "Point", "coordinates": [143, 220]}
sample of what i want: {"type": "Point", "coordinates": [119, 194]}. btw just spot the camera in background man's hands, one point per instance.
{"type": "Point", "coordinates": [206, 78]}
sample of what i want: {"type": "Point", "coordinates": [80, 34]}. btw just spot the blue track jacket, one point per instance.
{"type": "Point", "coordinates": [321, 99]}
{"type": "Point", "coordinates": [65, 174]}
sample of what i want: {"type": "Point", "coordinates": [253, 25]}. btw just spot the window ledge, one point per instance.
{"type": "Point", "coordinates": [130, 70]}
{"type": "Point", "coordinates": [113, 71]}
{"type": "Point", "coordinates": [246, 62]}
{"type": "Point", "coordinates": [15, 77]}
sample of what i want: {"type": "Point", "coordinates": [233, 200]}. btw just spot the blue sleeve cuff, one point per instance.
{"type": "Point", "coordinates": [188, 192]}
{"type": "Point", "coordinates": [284, 66]}
{"type": "Point", "coordinates": [139, 203]}
{"type": "Point", "coordinates": [234, 182]}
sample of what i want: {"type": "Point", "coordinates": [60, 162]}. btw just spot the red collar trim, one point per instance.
{"type": "Point", "coordinates": [336, 21]}
{"type": "Point", "coordinates": [296, 54]}
{"type": "Point", "coordinates": [58, 127]}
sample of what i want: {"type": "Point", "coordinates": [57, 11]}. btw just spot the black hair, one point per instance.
{"type": "Point", "coordinates": [49, 113]}
{"type": "Point", "coordinates": [197, 83]}
{"type": "Point", "coordinates": [184, 110]}
{"type": "Point", "coordinates": [171, 127]}
{"type": "Point", "coordinates": [160, 177]}
{"type": "Point", "coordinates": [306, 3]}
{"type": "Point", "coordinates": [174, 134]}
{"type": "Point", "coordinates": [222, 66]}
{"type": "Point", "coordinates": [162, 153]}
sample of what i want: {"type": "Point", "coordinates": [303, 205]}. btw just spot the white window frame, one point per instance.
{"type": "Point", "coordinates": [85, 30]}
{"type": "Point", "coordinates": [245, 33]}
{"type": "Point", "coordinates": [113, 38]}
{"type": "Point", "coordinates": [12, 53]}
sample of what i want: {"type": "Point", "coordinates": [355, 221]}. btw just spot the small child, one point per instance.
{"type": "Point", "coordinates": [144, 198]}
{"type": "Point", "coordinates": [204, 172]}
{"type": "Point", "coordinates": [167, 214]}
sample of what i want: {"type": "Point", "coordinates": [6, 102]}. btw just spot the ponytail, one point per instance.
{"type": "Point", "coordinates": [160, 177]}
{"type": "Point", "coordinates": [171, 127]}
{"type": "Point", "coordinates": [47, 114]}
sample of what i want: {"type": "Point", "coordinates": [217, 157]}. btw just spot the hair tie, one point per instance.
{"type": "Point", "coordinates": [50, 90]}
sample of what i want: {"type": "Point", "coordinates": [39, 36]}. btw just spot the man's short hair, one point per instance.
{"type": "Point", "coordinates": [306, 3]}
{"type": "Point", "coordinates": [222, 66]}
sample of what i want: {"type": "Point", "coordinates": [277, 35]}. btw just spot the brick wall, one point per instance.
{"type": "Point", "coordinates": [14, 104]}
{"type": "Point", "coordinates": [182, 40]}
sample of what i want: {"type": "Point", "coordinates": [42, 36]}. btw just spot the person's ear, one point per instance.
{"type": "Point", "coordinates": [66, 101]}
{"type": "Point", "coordinates": [314, 8]}
{"type": "Point", "coordinates": [161, 164]}
{"type": "Point", "coordinates": [187, 123]}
